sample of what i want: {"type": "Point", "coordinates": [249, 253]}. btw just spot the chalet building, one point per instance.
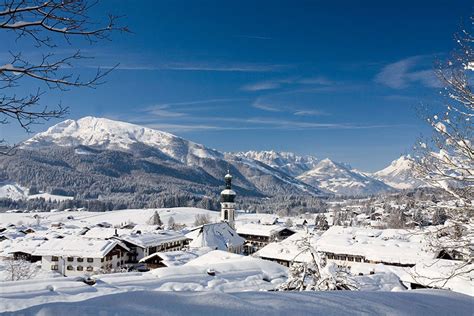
{"type": "Point", "coordinates": [348, 246]}
{"type": "Point", "coordinates": [258, 236]}
{"type": "Point", "coordinates": [143, 245]}
{"type": "Point", "coordinates": [72, 256]}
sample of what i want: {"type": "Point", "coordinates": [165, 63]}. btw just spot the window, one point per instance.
{"type": "Point", "coordinates": [70, 268]}
{"type": "Point", "coordinates": [101, 259]}
{"type": "Point", "coordinates": [89, 268]}
{"type": "Point", "coordinates": [80, 268]}
{"type": "Point", "coordinates": [54, 267]}
{"type": "Point", "coordinates": [80, 259]}
{"type": "Point", "coordinates": [54, 258]}
{"type": "Point", "coordinates": [90, 259]}
{"type": "Point", "coordinates": [70, 259]}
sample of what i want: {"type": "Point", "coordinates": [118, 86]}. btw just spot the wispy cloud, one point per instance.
{"type": "Point", "coordinates": [309, 113]}
{"type": "Point", "coordinates": [260, 86]}
{"type": "Point", "coordinates": [262, 105]}
{"type": "Point", "coordinates": [299, 125]}
{"type": "Point", "coordinates": [204, 101]}
{"type": "Point", "coordinates": [405, 72]}
{"type": "Point", "coordinates": [281, 82]}
{"type": "Point", "coordinates": [256, 37]}
{"type": "Point", "coordinates": [163, 111]}
{"type": "Point", "coordinates": [198, 66]}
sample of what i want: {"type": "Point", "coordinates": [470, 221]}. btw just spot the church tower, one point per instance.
{"type": "Point", "coordinates": [227, 202]}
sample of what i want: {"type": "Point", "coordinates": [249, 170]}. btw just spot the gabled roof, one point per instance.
{"type": "Point", "coordinates": [259, 230]}
{"type": "Point", "coordinates": [152, 239]}
{"type": "Point", "coordinates": [78, 246]}
{"type": "Point", "coordinates": [215, 236]}
{"type": "Point", "coordinates": [399, 246]}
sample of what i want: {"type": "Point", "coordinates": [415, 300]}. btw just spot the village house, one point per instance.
{"type": "Point", "coordinates": [75, 255]}
{"type": "Point", "coordinates": [144, 244]}
{"type": "Point", "coordinates": [347, 246]}
{"type": "Point", "coordinates": [258, 236]}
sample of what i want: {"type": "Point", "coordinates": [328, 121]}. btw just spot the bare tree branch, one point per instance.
{"type": "Point", "coordinates": [41, 22]}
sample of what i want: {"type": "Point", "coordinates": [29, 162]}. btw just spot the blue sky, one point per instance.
{"type": "Point", "coordinates": [337, 79]}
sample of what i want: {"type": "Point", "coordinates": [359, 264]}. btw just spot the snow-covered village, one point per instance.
{"type": "Point", "coordinates": [247, 158]}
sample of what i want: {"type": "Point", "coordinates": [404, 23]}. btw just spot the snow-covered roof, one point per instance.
{"type": "Point", "coordinates": [258, 229]}
{"type": "Point", "coordinates": [215, 236]}
{"type": "Point", "coordinates": [77, 247]}
{"type": "Point", "coordinates": [26, 245]}
{"type": "Point", "coordinates": [290, 249]}
{"type": "Point", "coordinates": [104, 232]}
{"type": "Point", "coordinates": [152, 239]}
{"type": "Point", "coordinates": [446, 274]}
{"type": "Point", "coordinates": [177, 258]}
{"type": "Point", "coordinates": [388, 245]}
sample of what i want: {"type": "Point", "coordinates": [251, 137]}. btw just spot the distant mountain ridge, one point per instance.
{"type": "Point", "coordinates": [400, 174]}
{"type": "Point", "coordinates": [341, 179]}
{"type": "Point", "coordinates": [136, 160]}
{"type": "Point", "coordinates": [83, 157]}
{"type": "Point", "coordinates": [287, 162]}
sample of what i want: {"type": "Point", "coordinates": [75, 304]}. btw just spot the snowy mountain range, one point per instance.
{"type": "Point", "coordinates": [400, 174]}
{"type": "Point", "coordinates": [93, 157]}
{"type": "Point", "coordinates": [341, 179]}
{"type": "Point", "coordinates": [287, 162]}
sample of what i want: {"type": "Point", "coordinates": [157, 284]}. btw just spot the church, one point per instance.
{"type": "Point", "coordinates": [222, 235]}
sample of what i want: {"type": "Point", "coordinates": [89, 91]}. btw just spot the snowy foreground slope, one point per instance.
{"type": "Point", "coordinates": [421, 302]}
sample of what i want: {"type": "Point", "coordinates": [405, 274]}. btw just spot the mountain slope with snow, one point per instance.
{"type": "Point", "coordinates": [400, 174]}
{"type": "Point", "coordinates": [101, 157]}
{"type": "Point", "coordinates": [109, 134]}
{"type": "Point", "coordinates": [287, 162]}
{"type": "Point", "coordinates": [340, 179]}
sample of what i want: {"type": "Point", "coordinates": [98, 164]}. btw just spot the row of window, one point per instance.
{"type": "Point", "coordinates": [71, 268]}
{"type": "Point", "coordinates": [71, 259]}
{"type": "Point", "coordinates": [170, 244]}
{"type": "Point", "coordinates": [345, 258]}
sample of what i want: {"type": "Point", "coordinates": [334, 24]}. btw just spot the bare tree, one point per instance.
{"type": "Point", "coordinates": [446, 160]}
{"type": "Point", "coordinates": [201, 219]}
{"type": "Point", "coordinates": [44, 23]}
{"type": "Point", "coordinates": [19, 269]}
{"type": "Point", "coordinates": [316, 275]}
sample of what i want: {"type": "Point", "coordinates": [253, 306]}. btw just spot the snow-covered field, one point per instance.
{"type": "Point", "coordinates": [181, 215]}
{"type": "Point", "coordinates": [116, 302]}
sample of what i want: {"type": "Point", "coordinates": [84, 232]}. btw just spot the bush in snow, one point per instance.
{"type": "Point", "coordinates": [19, 269]}
{"type": "Point", "coordinates": [317, 274]}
